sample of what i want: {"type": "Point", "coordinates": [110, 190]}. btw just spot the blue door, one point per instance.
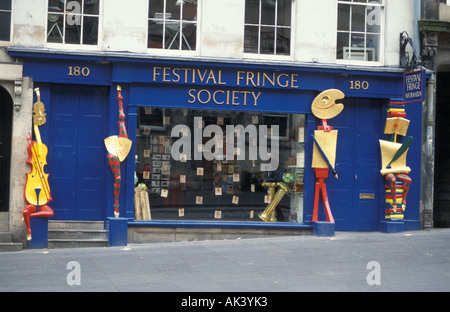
{"type": "Point", "coordinates": [355, 196]}
{"type": "Point", "coordinates": [76, 119]}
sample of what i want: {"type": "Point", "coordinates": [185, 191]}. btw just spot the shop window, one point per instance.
{"type": "Point", "coordinates": [268, 27]}
{"type": "Point", "coordinates": [73, 21]}
{"type": "Point", "coordinates": [359, 30]}
{"type": "Point", "coordinates": [172, 24]}
{"type": "Point", "coordinates": [5, 20]}
{"type": "Point", "coordinates": [214, 165]}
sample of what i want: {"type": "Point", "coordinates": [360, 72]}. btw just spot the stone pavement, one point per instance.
{"type": "Point", "coordinates": [367, 262]}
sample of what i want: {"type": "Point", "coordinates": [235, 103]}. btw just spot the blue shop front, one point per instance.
{"type": "Point", "coordinates": [214, 142]}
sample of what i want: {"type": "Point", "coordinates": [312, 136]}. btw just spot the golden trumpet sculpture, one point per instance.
{"type": "Point", "coordinates": [268, 215]}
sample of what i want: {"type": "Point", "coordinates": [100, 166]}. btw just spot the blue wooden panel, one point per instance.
{"type": "Point", "coordinates": [74, 134]}
{"type": "Point", "coordinates": [367, 160]}
{"type": "Point", "coordinates": [286, 101]}
{"type": "Point", "coordinates": [358, 164]}
{"type": "Point", "coordinates": [340, 190]}
{"type": "Point", "coordinates": [61, 140]}
{"type": "Point", "coordinates": [91, 153]}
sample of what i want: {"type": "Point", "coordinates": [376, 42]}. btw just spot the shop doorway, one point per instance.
{"type": "Point", "coordinates": [6, 107]}
{"type": "Point", "coordinates": [441, 206]}
{"type": "Point", "coordinates": [76, 129]}
{"type": "Point", "coordinates": [355, 196]}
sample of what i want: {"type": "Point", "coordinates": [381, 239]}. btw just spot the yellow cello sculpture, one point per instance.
{"type": "Point", "coordinates": [37, 190]}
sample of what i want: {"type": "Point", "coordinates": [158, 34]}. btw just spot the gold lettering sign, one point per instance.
{"type": "Point", "coordinates": [215, 77]}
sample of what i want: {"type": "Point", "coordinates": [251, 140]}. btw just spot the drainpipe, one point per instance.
{"type": "Point", "coordinates": [429, 153]}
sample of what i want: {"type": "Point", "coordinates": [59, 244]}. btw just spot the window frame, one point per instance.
{"type": "Point", "coordinates": [274, 56]}
{"type": "Point", "coordinates": [71, 46]}
{"type": "Point", "coordinates": [179, 51]}
{"type": "Point", "coordinates": [380, 50]}
{"type": "Point", "coordinates": [11, 30]}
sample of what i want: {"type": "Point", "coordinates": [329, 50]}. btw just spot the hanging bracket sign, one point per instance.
{"type": "Point", "coordinates": [413, 86]}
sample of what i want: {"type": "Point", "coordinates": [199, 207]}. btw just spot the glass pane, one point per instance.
{"type": "Point", "coordinates": [373, 47]}
{"type": "Point", "coordinates": [91, 7]}
{"type": "Point", "coordinates": [357, 40]}
{"type": "Point", "coordinates": [55, 6]}
{"type": "Point", "coordinates": [344, 17]}
{"type": "Point", "coordinates": [55, 28]}
{"type": "Point", "coordinates": [252, 11]}
{"type": "Point", "coordinates": [73, 29]}
{"type": "Point", "coordinates": [215, 189]}
{"type": "Point", "coordinates": [342, 46]}
{"type": "Point", "coordinates": [173, 9]}
{"type": "Point", "coordinates": [267, 45]}
{"type": "Point", "coordinates": [5, 4]}
{"type": "Point", "coordinates": [358, 13]}
{"type": "Point", "coordinates": [283, 41]}
{"type": "Point", "coordinates": [190, 11]}
{"type": "Point", "coordinates": [73, 7]}
{"type": "Point", "coordinates": [373, 19]}
{"type": "Point", "coordinates": [284, 13]}
{"type": "Point", "coordinates": [155, 35]}
{"type": "Point", "coordinates": [90, 30]}
{"type": "Point", "coordinates": [5, 26]}
{"type": "Point", "coordinates": [251, 39]}
{"type": "Point", "coordinates": [156, 9]}
{"type": "Point", "coordinates": [268, 12]}
{"type": "Point", "coordinates": [188, 36]}
{"type": "Point", "coordinates": [172, 37]}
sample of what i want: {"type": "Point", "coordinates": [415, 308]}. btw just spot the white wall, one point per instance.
{"type": "Point", "coordinates": [222, 30]}
{"type": "Point", "coordinates": [124, 25]}
{"type": "Point", "coordinates": [29, 18]}
{"type": "Point", "coordinates": [315, 31]}
{"type": "Point", "coordinates": [399, 17]}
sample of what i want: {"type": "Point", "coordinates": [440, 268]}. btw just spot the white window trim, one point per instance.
{"type": "Point", "coordinates": [178, 52]}
{"type": "Point", "coordinates": [380, 61]}
{"type": "Point", "coordinates": [274, 57]}
{"type": "Point", "coordinates": [76, 46]}
{"type": "Point", "coordinates": [7, 43]}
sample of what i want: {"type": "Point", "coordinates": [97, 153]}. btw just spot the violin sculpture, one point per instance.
{"type": "Point", "coordinates": [37, 190]}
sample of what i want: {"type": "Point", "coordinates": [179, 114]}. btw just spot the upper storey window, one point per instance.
{"type": "Point", "coordinates": [268, 27]}
{"type": "Point", "coordinates": [359, 30]}
{"type": "Point", "coordinates": [5, 20]}
{"type": "Point", "coordinates": [73, 21]}
{"type": "Point", "coordinates": [172, 24]}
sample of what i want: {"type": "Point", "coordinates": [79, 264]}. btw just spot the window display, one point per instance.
{"type": "Point", "coordinates": [220, 165]}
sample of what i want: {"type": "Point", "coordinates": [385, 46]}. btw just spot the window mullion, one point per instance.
{"type": "Point", "coordinates": [82, 22]}
{"type": "Point", "coordinates": [180, 33]}
{"type": "Point", "coordinates": [366, 56]}
{"type": "Point", "coordinates": [64, 23]}
{"type": "Point", "coordinates": [276, 29]}
{"type": "Point", "coordinates": [259, 27]}
{"type": "Point", "coordinates": [164, 25]}
{"type": "Point", "coordinates": [350, 32]}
